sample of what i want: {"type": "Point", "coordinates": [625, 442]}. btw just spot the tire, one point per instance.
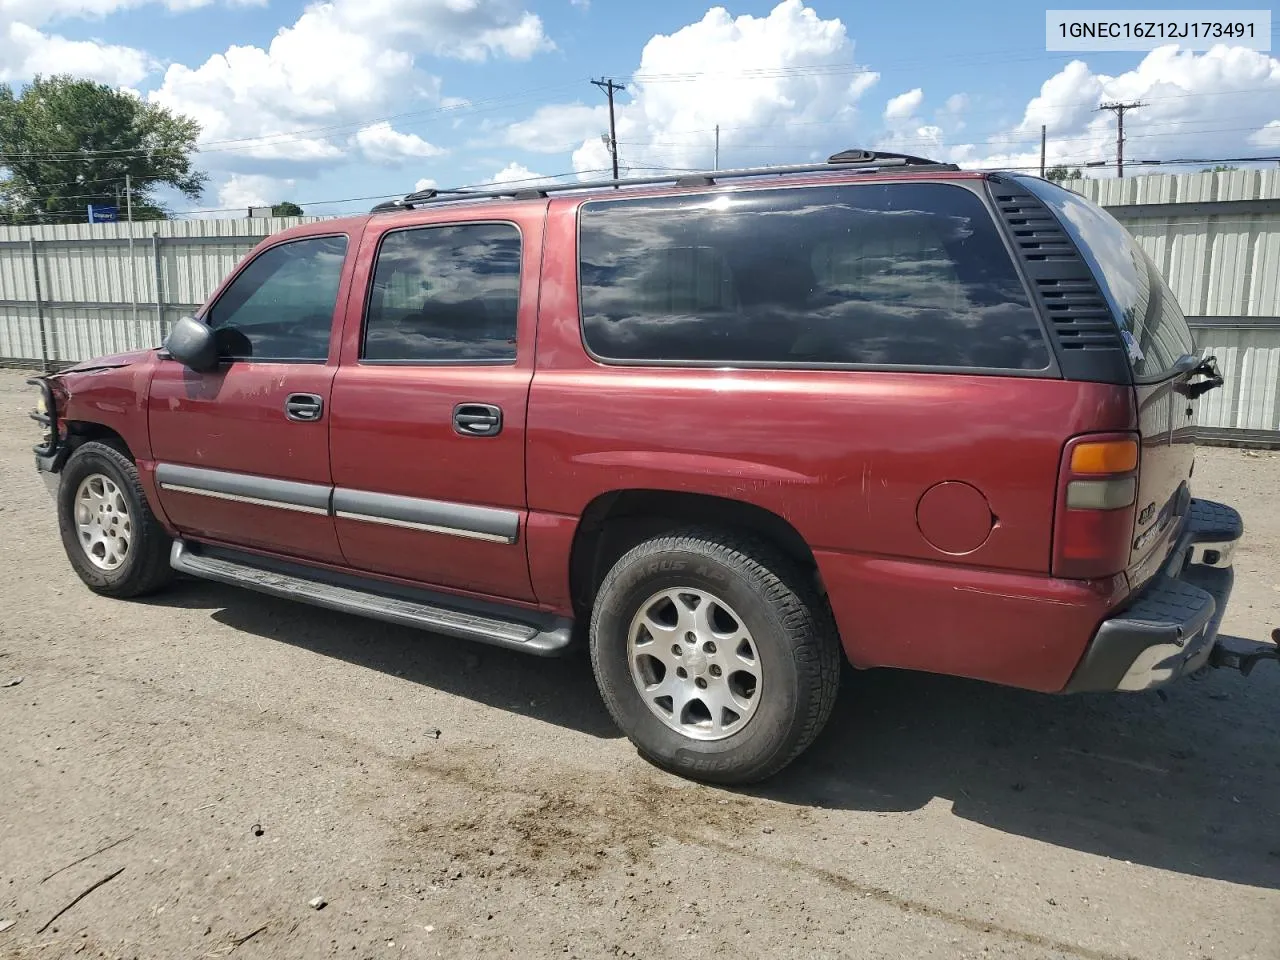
{"type": "Point", "coordinates": [135, 558]}
{"type": "Point", "coordinates": [788, 630]}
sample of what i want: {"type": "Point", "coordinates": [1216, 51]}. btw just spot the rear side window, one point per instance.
{"type": "Point", "coordinates": [445, 294]}
{"type": "Point", "coordinates": [280, 307]}
{"type": "Point", "coordinates": [1155, 332]}
{"type": "Point", "coordinates": [881, 274]}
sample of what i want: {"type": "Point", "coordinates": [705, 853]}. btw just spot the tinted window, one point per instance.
{"type": "Point", "coordinates": [874, 274]}
{"type": "Point", "coordinates": [1156, 332]}
{"type": "Point", "coordinates": [280, 307]}
{"type": "Point", "coordinates": [446, 293]}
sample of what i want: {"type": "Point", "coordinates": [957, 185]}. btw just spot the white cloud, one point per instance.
{"type": "Point", "coordinates": [1210, 104]}
{"type": "Point", "coordinates": [426, 183]}
{"type": "Point", "coordinates": [26, 51]}
{"type": "Point", "coordinates": [781, 86]}
{"type": "Point", "coordinates": [341, 61]}
{"type": "Point", "coordinates": [381, 143]}
{"type": "Point", "coordinates": [555, 129]}
{"type": "Point", "coordinates": [1268, 136]}
{"type": "Point", "coordinates": [518, 173]}
{"type": "Point", "coordinates": [904, 105]}
{"type": "Point", "coordinates": [253, 190]}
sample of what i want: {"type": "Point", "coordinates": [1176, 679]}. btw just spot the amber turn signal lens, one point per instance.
{"type": "Point", "coordinates": [1105, 456]}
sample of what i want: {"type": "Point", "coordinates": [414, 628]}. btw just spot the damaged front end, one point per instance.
{"type": "Point", "coordinates": [50, 452]}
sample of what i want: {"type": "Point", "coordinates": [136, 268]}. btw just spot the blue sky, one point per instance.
{"type": "Point", "coordinates": [358, 98]}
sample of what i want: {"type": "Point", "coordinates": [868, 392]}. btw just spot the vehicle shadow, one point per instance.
{"type": "Point", "coordinates": [561, 691]}
{"type": "Point", "coordinates": [1186, 781]}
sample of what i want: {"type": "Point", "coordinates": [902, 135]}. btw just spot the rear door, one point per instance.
{"type": "Point", "coordinates": [1161, 352]}
{"type": "Point", "coordinates": [428, 429]}
{"type": "Point", "coordinates": [243, 451]}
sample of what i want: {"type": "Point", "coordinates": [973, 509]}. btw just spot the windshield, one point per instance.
{"type": "Point", "coordinates": [1155, 332]}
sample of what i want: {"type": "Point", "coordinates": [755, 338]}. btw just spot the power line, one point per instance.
{"type": "Point", "coordinates": [401, 193]}
{"type": "Point", "coordinates": [480, 106]}
{"type": "Point", "coordinates": [995, 139]}
{"type": "Point", "coordinates": [291, 136]}
{"type": "Point", "coordinates": [639, 163]}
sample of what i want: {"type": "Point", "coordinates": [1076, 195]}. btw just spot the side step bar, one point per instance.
{"type": "Point", "coordinates": [529, 631]}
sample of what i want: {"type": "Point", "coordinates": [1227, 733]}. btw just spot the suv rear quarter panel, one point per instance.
{"type": "Point", "coordinates": [844, 456]}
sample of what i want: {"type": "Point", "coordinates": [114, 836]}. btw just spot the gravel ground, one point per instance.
{"type": "Point", "coordinates": [246, 755]}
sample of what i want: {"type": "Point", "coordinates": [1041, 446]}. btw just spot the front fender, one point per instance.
{"type": "Point", "coordinates": [111, 393]}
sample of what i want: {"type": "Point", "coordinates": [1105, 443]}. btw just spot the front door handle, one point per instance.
{"type": "Point", "coordinates": [304, 407]}
{"type": "Point", "coordinates": [477, 420]}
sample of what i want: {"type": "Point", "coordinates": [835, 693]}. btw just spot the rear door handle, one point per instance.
{"type": "Point", "coordinates": [477, 420]}
{"type": "Point", "coordinates": [304, 407]}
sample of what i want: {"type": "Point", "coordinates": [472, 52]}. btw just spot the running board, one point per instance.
{"type": "Point", "coordinates": [436, 613]}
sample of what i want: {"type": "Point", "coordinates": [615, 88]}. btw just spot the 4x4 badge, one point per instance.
{"type": "Point", "coordinates": [1146, 513]}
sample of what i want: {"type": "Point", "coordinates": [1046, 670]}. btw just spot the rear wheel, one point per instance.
{"type": "Point", "coordinates": [113, 540]}
{"type": "Point", "coordinates": [715, 655]}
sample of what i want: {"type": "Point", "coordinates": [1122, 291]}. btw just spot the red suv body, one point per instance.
{"type": "Point", "coordinates": [928, 419]}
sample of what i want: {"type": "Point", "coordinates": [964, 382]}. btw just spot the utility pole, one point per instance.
{"type": "Point", "coordinates": [128, 196]}
{"type": "Point", "coordinates": [1118, 109]}
{"type": "Point", "coordinates": [1042, 151]}
{"type": "Point", "coordinates": [610, 87]}
{"type": "Point", "coordinates": [717, 164]}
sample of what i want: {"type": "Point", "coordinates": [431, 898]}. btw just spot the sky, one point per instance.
{"type": "Point", "coordinates": [335, 104]}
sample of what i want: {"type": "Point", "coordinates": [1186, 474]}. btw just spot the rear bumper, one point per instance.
{"type": "Point", "coordinates": [1169, 628]}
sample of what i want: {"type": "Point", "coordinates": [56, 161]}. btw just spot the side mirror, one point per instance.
{"type": "Point", "coordinates": [190, 342]}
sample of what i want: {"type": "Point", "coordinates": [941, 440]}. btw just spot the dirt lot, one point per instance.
{"type": "Point", "coordinates": [934, 818]}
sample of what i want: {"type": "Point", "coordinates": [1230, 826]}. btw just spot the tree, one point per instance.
{"type": "Point", "coordinates": [287, 208]}
{"type": "Point", "coordinates": [68, 143]}
{"type": "Point", "coordinates": [1222, 168]}
{"type": "Point", "coordinates": [1061, 173]}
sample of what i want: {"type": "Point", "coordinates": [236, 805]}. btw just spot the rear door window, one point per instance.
{"type": "Point", "coordinates": [887, 274]}
{"type": "Point", "coordinates": [447, 294]}
{"type": "Point", "coordinates": [1154, 330]}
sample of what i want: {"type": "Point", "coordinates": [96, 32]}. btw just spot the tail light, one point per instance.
{"type": "Point", "coordinates": [1093, 518]}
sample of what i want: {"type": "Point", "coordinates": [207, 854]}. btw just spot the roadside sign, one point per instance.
{"type": "Point", "coordinates": [103, 214]}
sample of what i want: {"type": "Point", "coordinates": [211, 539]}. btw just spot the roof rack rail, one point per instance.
{"type": "Point", "coordinates": [869, 160]}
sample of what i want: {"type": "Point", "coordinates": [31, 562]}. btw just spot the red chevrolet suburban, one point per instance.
{"type": "Point", "coordinates": [729, 428]}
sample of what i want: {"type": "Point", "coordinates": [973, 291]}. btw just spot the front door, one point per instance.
{"type": "Point", "coordinates": [242, 452]}
{"type": "Point", "coordinates": [428, 428]}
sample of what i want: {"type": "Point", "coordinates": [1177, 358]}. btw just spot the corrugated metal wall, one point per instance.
{"type": "Point", "coordinates": [110, 287]}
{"type": "Point", "coordinates": [1216, 236]}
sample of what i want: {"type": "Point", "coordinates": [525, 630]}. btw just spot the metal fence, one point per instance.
{"type": "Point", "coordinates": [1216, 237]}
{"type": "Point", "coordinates": [78, 291]}
{"type": "Point", "coordinates": [74, 292]}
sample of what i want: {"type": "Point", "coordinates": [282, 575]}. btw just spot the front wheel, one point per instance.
{"type": "Point", "coordinates": [113, 540]}
{"type": "Point", "coordinates": [715, 655]}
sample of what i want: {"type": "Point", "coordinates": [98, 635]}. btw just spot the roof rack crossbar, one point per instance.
{"type": "Point", "coordinates": [865, 160]}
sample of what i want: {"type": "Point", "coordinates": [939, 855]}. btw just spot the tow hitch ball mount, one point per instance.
{"type": "Point", "coordinates": [1237, 653]}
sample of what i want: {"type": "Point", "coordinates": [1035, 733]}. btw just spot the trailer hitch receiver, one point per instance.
{"type": "Point", "coordinates": [1237, 653]}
